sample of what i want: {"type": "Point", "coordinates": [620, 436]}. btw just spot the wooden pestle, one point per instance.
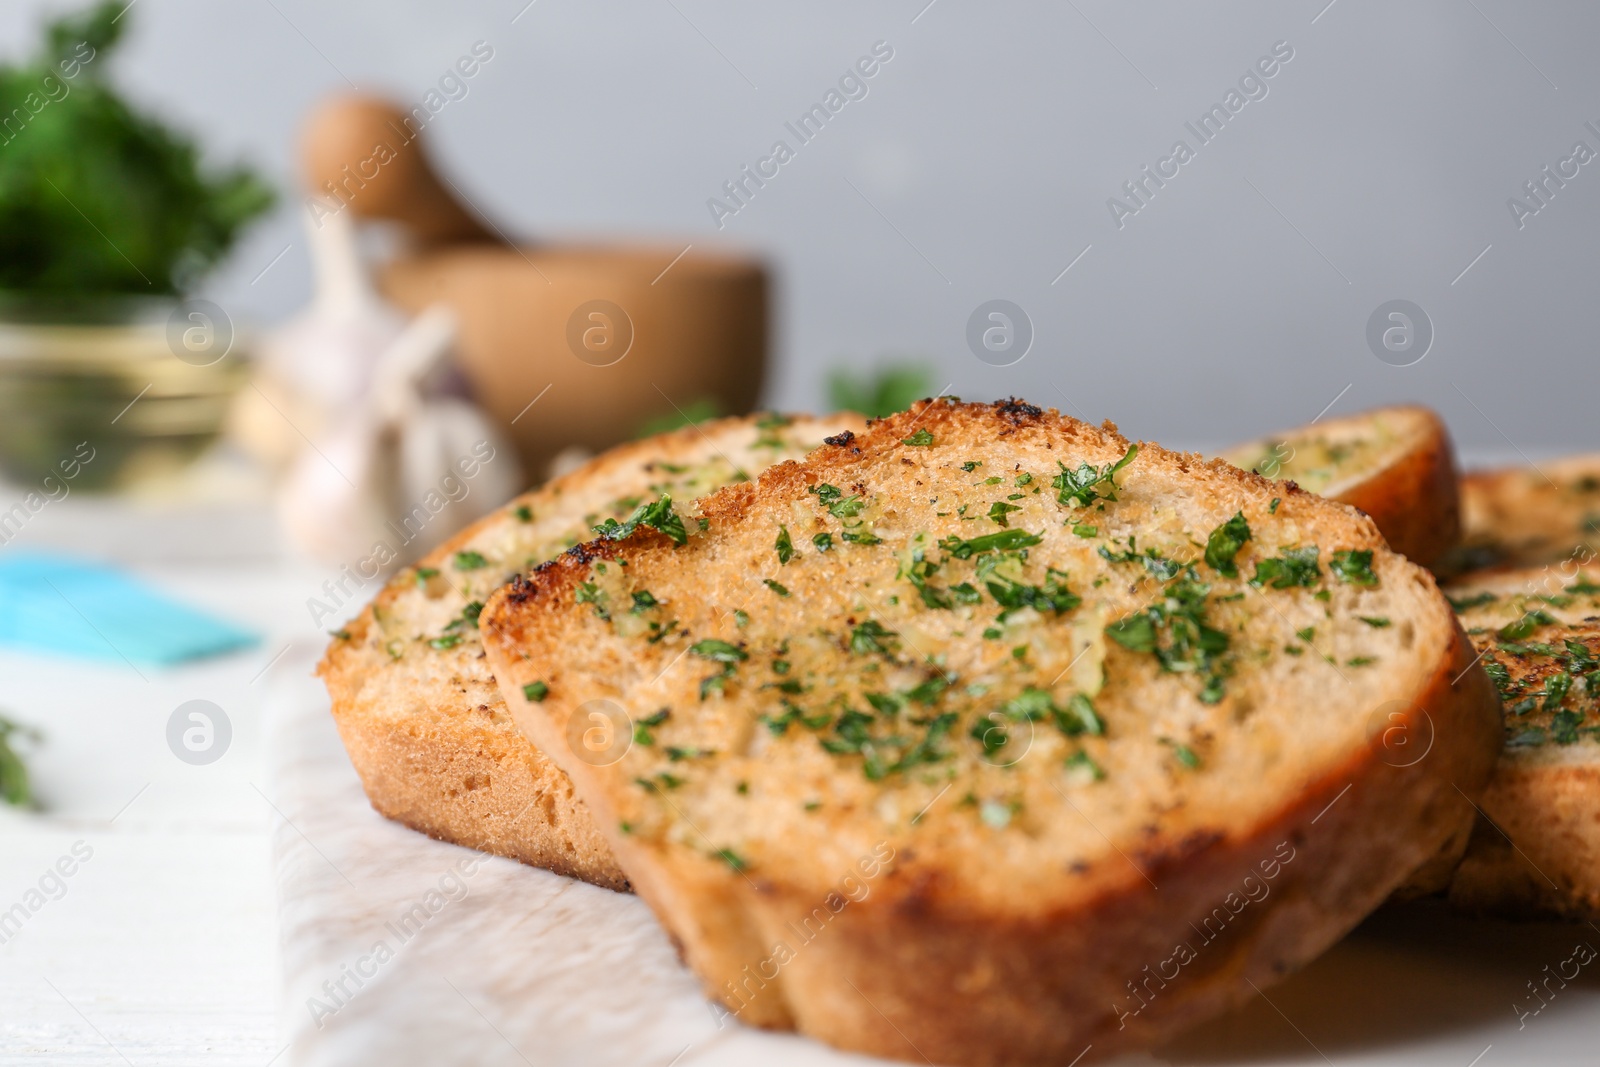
{"type": "Point", "coordinates": [363, 151]}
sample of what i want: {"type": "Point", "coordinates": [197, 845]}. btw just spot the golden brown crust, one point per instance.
{"type": "Point", "coordinates": [1015, 953]}
{"type": "Point", "coordinates": [430, 737]}
{"type": "Point", "coordinates": [1401, 472]}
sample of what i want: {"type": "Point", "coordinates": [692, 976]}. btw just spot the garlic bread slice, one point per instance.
{"type": "Point", "coordinates": [987, 736]}
{"type": "Point", "coordinates": [1537, 854]}
{"type": "Point", "coordinates": [412, 695]}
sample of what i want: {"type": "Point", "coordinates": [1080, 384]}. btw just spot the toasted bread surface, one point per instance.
{"type": "Point", "coordinates": [985, 737]}
{"type": "Point", "coordinates": [1394, 463]}
{"type": "Point", "coordinates": [412, 694]}
{"type": "Point", "coordinates": [1536, 853]}
{"type": "Point", "coordinates": [1529, 516]}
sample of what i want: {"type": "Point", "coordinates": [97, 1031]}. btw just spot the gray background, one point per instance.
{"type": "Point", "coordinates": [1378, 167]}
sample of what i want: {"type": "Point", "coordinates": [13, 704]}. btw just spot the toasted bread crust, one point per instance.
{"type": "Point", "coordinates": [1407, 482]}
{"type": "Point", "coordinates": [1535, 853]}
{"type": "Point", "coordinates": [431, 738]}
{"type": "Point", "coordinates": [937, 962]}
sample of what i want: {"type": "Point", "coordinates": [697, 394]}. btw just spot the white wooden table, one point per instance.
{"type": "Point", "coordinates": [160, 947]}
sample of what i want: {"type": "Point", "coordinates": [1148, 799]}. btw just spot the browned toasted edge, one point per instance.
{"type": "Point", "coordinates": [1535, 852]}
{"type": "Point", "coordinates": [401, 764]}
{"type": "Point", "coordinates": [1416, 501]}
{"type": "Point", "coordinates": [1354, 834]}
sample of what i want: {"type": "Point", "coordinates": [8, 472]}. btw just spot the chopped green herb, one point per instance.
{"type": "Point", "coordinates": [1308, 635]}
{"type": "Point", "coordinates": [861, 537]}
{"type": "Point", "coordinates": [658, 516]}
{"type": "Point", "coordinates": [1272, 508]}
{"type": "Point", "coordinates": [1556, 689]}
{"type": "Point", "coordinates": [1186, 756]}
{"type": "Point", "coordinates": [1082, 766]}
{"type": "Point", "coordinates": [15, 787]}
{"type": "Point", "coordinates": [1079, 717]}
{"type": "Point", "coordinates": [1225, 542]}
{"type": "Point", "coordinates": [869, 637]}
{"type": "Point", "coordinates": [643, 601]}
{"type": "Point", "coordinates": [1013, 595]}
{"type": "Point", "coordinates": [1524, 626]}
{"type": "Point", "coordinates": [784, 546]}
{"type": "Point", "coordinates": [775, 586]}
{"type": "Point", "coordinates": [590, 593]}
{"type": "Point", "coordinates": [1469, 602]}
{"type": "Point", "coordinates": [1001, 541]}
{"type": "Point", "coordinates": [719, 651]}
{"type": "Point", "coordinates": [1377, 622]}
{"type": "Point", "coordinates": [468, 560]}
{"type": "Point", "coordinates": [1153, 561]}
{"type": "Point", "coordinates": [1533, 735]}
{"type": "Point", "coordinates": [920, 439]}
{"type": "Point", "coordinates": [642, 729]}
{"type": "Point", "coordinates": [1564, 727]}
{"type": "Point", "coordinates": [446, 641]}
{"type": "Point", "coordinates": [1293, 567]}
{"type": "Point", "coordinates": [1353, 566]}
{"type": "Point", "coordinates": [823, 541]}
{"type": "Point", "coordinates": [1083, 530]}
{"type": "Point", "coordinates": [734, 861]}
{"type": "Point", "coordinates": [523, 513]}
{"type": "Point", "coordinates": [535, 691]}
{"type": "Point", "coordinates": [885, 704]}
{"type": "Point", "coordinates": [999, 510]}
{"type": "Point", "coordinates": [423, 574]}
{"type": "Point", "coordinates": [741, 618]}
{"type": "Point", "coordinates": [1192, 645]}
{"type": "Point", "coordinates": [1360, 661]}
{"type": "Point", "coordinates": [971, 465]}
{"type": "Point", "coordinates": [1081, 487]}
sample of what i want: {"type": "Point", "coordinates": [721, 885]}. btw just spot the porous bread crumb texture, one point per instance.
{"type": "Point", "coordinates": [1529, 517]}
{"type": "Point", "coordinates": [414, 700]}
{"type": "Point", "coordinates": [1394, 463]}
{"type": "Point", "coordinates": [1010, 662]}
{"type": "Point", "coordinates": [1536, 852]}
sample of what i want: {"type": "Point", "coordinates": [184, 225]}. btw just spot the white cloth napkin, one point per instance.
{"type": "Point", "coordinates": [397, 949]}
{"type": "Point", "coordinates": [400, 950]}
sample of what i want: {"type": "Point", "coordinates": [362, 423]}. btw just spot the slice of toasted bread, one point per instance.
{"type": "Point", "coordinates": [985, 737]}
{"type": "Point", "coordinates": [1395, 463]}
{"type": "Point", "coordinates": [1529, 516]}
{"type": "Point", "coordinates": [412, 695]}
{"type": "Point", "coordinates": [1537, 853]}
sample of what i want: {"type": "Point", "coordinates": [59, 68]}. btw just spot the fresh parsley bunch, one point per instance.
{"type": "Point", "coordinates": [97, 198]}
